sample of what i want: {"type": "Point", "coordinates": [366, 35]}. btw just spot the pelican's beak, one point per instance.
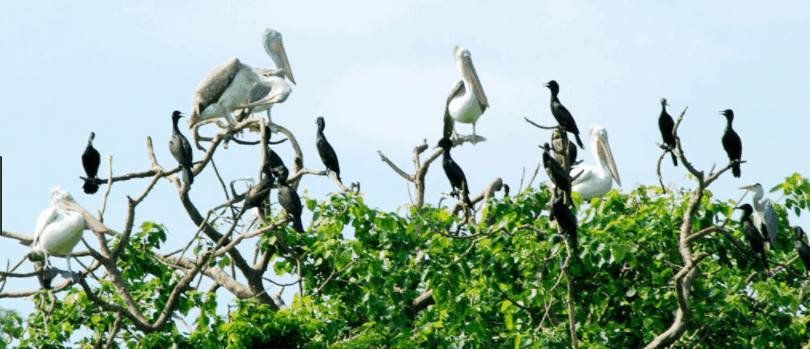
{"type": "Point", "coordinates": [279, 48]}
{"type": "Point", "coordinates": [748, 187]}
{"type": "Point", "coordinates": [92, 223]}
{"type": "Point", "coordinates": [469, 71]}
{"type": "Point", "coordinates": [603, 150]}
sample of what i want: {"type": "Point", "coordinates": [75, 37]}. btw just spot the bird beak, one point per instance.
{"type": "Point", "coordinates": [276, 48]}
{"type": "Point", "coordinates": [469, 71]}
{"type": "Point", "coordinates": [666, 104]}
{"type": "Point", "coordinates": [606, 155]}
{"type": "Point", "coordinates": [747, 187]}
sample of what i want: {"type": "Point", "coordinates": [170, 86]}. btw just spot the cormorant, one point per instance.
{"type": "Point", "coordinates": [328, 156]}
{"type": "Point", "coordinates": [666, 124]}
{"type": "Point", "coordinates": [181, 149]}
{"type": "Point", "coordinates": [58, 230]}
{"type": "Point", "coordinates": [732, 144]}
{"type": "Point", "coordinates": [91, 160]}
{"type": "Point", "coordinates": [454, 173]}
{"type": "Point", "coordinates": [559, 143]}
{"type": "Point", "coordinates": [755, 239]}
{"type": "Point", "coordinates": [258, 194]}
{"type": "Point", "coordinates": [765, 216]}
{"type": "Point", "coordinates": [566, 220]}
{"type": "Point", "coordinates": [801, 246]}
{"type": "Point", "coordinates": [556, 173]}
{"type": "Point", "coordinates": [289, 199]}
{"type": "Point", "coordinates": [563, 116]}
{"type": "Point", "coordinates": [273, 160]}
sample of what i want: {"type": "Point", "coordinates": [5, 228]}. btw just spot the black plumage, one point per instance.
{"type": "Point", "coordinates": [556, 173]}
{"type": "Point", "coordinates": [273, 160]}
{"type": "Point", "coordinates": [46, 277]}
{"type": "Point", "coordinates": [732, 144]}
{"type": "Point", "coordinates": [752, 234]}
{"type": "Point", "coordinates": [289, 199]}
{"type": "Point", "coordinates": [666, 124]}
{"type": "Point", "coordinates": [326, 151]}
{"type": "Point", "coordinates": [91, 159]}
{"type": "Point", "coordinates": [454, 173]}
{"type": "Point", "coordinates": [563, 116]}
{"type": "Point", "coordinates": [181, 149]}
{"type": "Point", "coordinates": [801, 247]}
{"type": "Point", "coordinates": [566, 220]}
{"type": "Point", "coordinates": [258, 194]}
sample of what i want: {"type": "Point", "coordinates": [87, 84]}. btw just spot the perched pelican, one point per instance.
{"type": "Point", "coordinates": [765, 217]}
{"type": "Point", "coordinates": [595, 180]}
{"type": "Point", "coordinates": [224, 89]}
{"type": "Point", "coordinates": [90, 161]}
{"type": "Point", "coordinates": [181, 149]}
{"type": "Point", "coordinates": [325, 150]}
{"type": "Point", "coordinates": [58, 230]}
{"type": "Point", "coordinates": [556, 173]}
{"type": "Point", "coordinates": [466, 101]}
{"type": "Point", "coordinates": [800, 245]}
{"type": "Point", "coordinates": [561, 114]}
{"type": "Point", "coordinates": [272, 88]}
{"type": "Point", "coordinates": [458, 182]}
{"type": "Point", "coordinates": [755, 239]}
{"type": "Point", "coordinates": [732, 144]}
{"type": "Point", "coordinates": [665, 125]}
{"type": "Point", "coordinates": [290, 200]}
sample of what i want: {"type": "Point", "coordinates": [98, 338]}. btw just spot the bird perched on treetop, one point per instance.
{"type": "Point", "coordinates": [181, 149]}
{"type": "Point", "coordinates": [563, 116]}
{"type": "Point", "coordinates": [458, 182]}
{"type": "Point", "coordinates": [732, 144]}
{"type": "Point", "coordinates": [752, 234]}
{"type": "Point", "coordinates": [665, 125]}
{"type": "Point", "coordinates": [556, 173]}
{"type": "Point", "coordinates": [90, 161]}
{"type": "Point", "coordinates": [466, 101]}
{"type": "Point", "coordinates": [325, 150]}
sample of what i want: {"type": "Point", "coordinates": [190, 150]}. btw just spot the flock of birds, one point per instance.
{"type": "Point", "coordinates": [235, 87]}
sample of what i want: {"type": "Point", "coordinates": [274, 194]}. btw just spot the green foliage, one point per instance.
{"type": "Point", "coordinates": [495, 284]}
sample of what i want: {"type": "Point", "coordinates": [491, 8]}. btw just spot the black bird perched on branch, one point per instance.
{"type": "Point", "coordinates": [563, 150]}
{"type": "Point", "coordinates": [325, 150]}
{"type": "Point", "coordinates": [556, 173]}
{"type": "Point", "coordinates": [566, 220]}
{"type": "Point", "coordinates": [732, 144]}
{"type": "Point", "coordinates": [801, 246]}
{"type": "Point", "coordinates": [273, 160]}
{"type": "Point", "coordinates": [289, 199]}
{"type": "Point", "coordinates": [563, 116]}
{"type": "Point", "coordinates": [91, 160]}
{"type": "Point", "coordinates": [752, 234]}
{"type": "Point", "coordinates": [666, 124]}
{"type": "Point", "coordinates": [181, 149]}
{"type": "Point", "coordinates": [454, 173]}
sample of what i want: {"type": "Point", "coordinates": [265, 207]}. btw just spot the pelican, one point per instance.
{"type": "Point", "coordinates": [595, 180]}
{"type": "Point", "coordinates": [272, 88]}
{"type": "Point", "coordinates": [765, 216]}
{"type": "Point", "coordinates": [466, 101]}
{"type": "Point", "coordinates": [223, 90]}
{"type": "Point", "coordinates": [58, 229]}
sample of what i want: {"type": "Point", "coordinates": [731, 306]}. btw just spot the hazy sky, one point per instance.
{"type": "Point", "coordinates": [380, 72]}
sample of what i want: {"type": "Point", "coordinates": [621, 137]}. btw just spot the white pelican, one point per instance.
{"type": "Point", "coordinates": [466, 101]}
{"type": "Point", "coordinates": [765, 217]}
{"type": "Point", "coordinates": [272, 87]}
{"type": "Point", "coordinates": [58, 229]}
{"type": "Point", "coordinates": [596, 180]}
{"type": "Point", "coordinates": [223, 90]}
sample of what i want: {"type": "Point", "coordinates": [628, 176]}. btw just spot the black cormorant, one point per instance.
{"type": "Point", "coordinates": [91, 160]}
{"type": "Point", "coordinates": [566, 220]}
{"type": "Point", "coordinates": [289, 199]}
{"type": "Point", "coordinates": [666, 124]}
{"type": "Point", "coordinates": [556, 173]}
{"type": "Point", "coordinates": [181, 149]}
{"type": "Point", "coordinates": [801, 247]}
{"type": "Point", "coordinates": [258, 194]}
{"type": "Point", "coordinates": [454, 173]}
{"type": "Point", "coordinates": [325, 150]}
{"type": "Point", "coordinates": [732, 144]}
{"type": "Point", "coordinates": [273, 160]}
{"type": "Point", "coordinates": [564, 118]}
{"type": "Point", "coordinates": [752, 234]}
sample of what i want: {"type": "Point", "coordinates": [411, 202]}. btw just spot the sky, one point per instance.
{"type": "Point", "coordinates": [379, 73]}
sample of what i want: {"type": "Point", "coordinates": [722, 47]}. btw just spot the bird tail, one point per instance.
{"type": "Point", "coordinates": [735, 169]}
{"type": "Point", "coordinates": [297, 225]}
{"type": "Point", "coordinates": [188, 177]}
{"type": "Point", "coordinates": [90, 185]}
{"type": "Point", "coordinates": [674, 159]}
{"type": "Point", "coordinates": [45, 276]}
{"type": "Point", "coordinates": [579, 141]}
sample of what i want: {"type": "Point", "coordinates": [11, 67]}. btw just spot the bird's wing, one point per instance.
{"type": "Point", "coordinates": [46, 217]}
{"type": "Point", "coordinates": [771, 222]}
{"type": "Point", "coordinates": [92, 223]}
{"type": "Point", "coordinates": [212, 86]}
{"type": "Point", "coordinates": [457, 89]}
{"type": "Point", "coordinates": [587, 175]}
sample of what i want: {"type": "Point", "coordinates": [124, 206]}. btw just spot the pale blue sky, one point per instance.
{"type": "Point", "coordinates": [380, 73]}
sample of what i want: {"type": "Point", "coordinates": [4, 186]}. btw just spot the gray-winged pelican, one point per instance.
{"type": "Point", "coordinates": [765, 216]}
{"type": "Point", "coordinates": [223, 90]}
{"type": "Point", "coordinates": [596, 180]}
{"type": "Point", "coordinates": [58, 229]}
{"type": "Point", "coordinates": [466, 101]}
{"type": "Point", "coordinates": [272, 88]}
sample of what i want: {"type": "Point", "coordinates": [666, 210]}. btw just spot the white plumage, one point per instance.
{"type": "Point", "coordinates": [466, 101]}
{"type": "Point", "coordinates": [58, 230]}
{"type": "Point", "coordinates": [764, 214]}
{"type": "Point", "coordinates": [596, 180]}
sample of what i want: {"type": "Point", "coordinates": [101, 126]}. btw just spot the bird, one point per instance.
{"type": "Point", "coordinates": [272, 88]}
{"type": "Point", "coordinates": [325, 150]}
{"type": "Point", "coordinates": [289, 199]}
{"type": "Point", "coordinates": [181, 149]}
{"type": "Point", "coordinates": [566, 220]}
{"type": "Point", "coordinates": [765, 216]}
{"type": "Point", "coordinates": [565, 155]}
{"type": "Point", "coordinates": [732, 144]}
{"type": "Point", "coordinates": [57, 231]}
{"type": "Point", "coordinates": [466, 101]}
{"type": "Point", "coordinates": [595, 180]}
{"type": "Point", "coordinates": [226, 88]}
{"type": "Point", "coordinates": [561, 114]}
{"type": "Point", "coordinates": [666, 124]}
{"type": "Point", "coordinates": [458, 182]}
{"type": "Point", "coordinates": [256, 195]}
{"type": "Point", "coordinates": [273, 160]}
{"type": "Point", "coordinates": [556, 173]}
{"type": "Point", "coordinates": [801, 247]}
{"type": "Point", "coordinates": [752, 234]}
{"type": "Point", "coordinates": [90, 161]}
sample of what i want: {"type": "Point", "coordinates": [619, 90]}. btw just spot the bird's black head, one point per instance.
{"type": "Point", "coordinates": [505, 190]}
{"type": "Point", "coordinates": [553, 86]}
{"type": "Point", "coordinates": [176, 115]}
{"type": "Point", "coordinates": [445, 143]}
{"type": "Point", "coordinates": [92, 136]}
{"type": "Point", "coordinates": [728, 113]}
{"type": "Point", "coordinates": [546, 147]}
{"type": "Point", "coordinates": [664, 102]}
{"type": "Point", "coordinates": [746, 208]}
{"type": "Point", "coordinates": [321, 123]}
